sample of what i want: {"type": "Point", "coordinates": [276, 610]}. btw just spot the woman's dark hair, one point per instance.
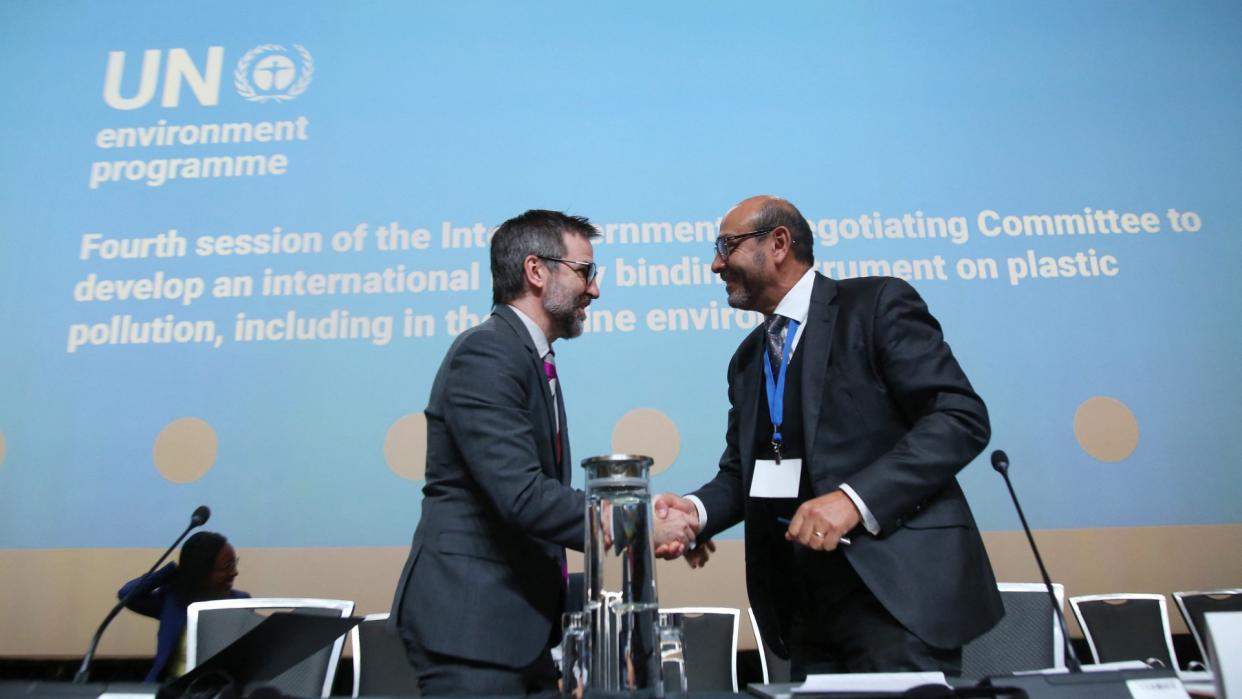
{"type": "Point", "coordinates": [198, 558]}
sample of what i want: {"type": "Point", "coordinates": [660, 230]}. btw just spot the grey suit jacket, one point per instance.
{"type": "Point", "coordinates": [484, 580]}
{"type": "Point", "coordinates": [886, 409]}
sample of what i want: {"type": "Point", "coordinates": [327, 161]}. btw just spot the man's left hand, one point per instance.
{"type": "Point", "coordinates": [820, 523]}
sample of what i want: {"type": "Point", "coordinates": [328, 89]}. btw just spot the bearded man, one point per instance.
{"type": "Point", "coordinates": [480, 599]}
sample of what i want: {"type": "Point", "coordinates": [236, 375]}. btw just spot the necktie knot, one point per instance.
{"type": "Point", "coordinates": [774, 327]}
{"type": "Point", "coordinates": [549, 366]}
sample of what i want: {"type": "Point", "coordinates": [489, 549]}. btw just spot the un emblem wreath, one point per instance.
{"type": "Point", "coordinates": [241, 75]}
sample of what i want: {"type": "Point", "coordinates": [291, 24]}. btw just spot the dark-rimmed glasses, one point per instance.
{"type": "Point", "coordinates": [726, 243]}
{"type": "Point", "coordinates": [587, 271]}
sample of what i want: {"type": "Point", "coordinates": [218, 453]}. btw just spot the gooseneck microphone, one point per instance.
{"type": "Point", "coordinates": [1000, 462]}
{"type": "Point", "coordinates": [202, 513]}
{"type": "Point", "coordinates": [198, 519]}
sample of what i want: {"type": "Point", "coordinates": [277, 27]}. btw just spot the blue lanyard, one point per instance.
{"type": "Point", "coordinates": [776, 388]}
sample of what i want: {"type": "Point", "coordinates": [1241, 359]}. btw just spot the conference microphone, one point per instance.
{"type": "Point", "coordinates": [1000, 462]}
{"type": "Point", "coordinates": [201, 514]}
{"type": "Point", "coordinates": [1111, 684]}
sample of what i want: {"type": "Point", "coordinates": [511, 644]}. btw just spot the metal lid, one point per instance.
{"type": "Point", "coordinates": [609, 458]}
{"type": "Point", "coordinates": [617, 466]}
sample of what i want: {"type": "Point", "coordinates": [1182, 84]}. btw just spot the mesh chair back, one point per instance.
{"type": "Point", "coordinates": [1193, 605]}
{"type": "Point", "coordinates": [710, 637]}
{"type": "Point", "coordinates": [1028, 637]}
{"type": "Point", "coordinates": [1126, 627]}
{"type": "Point", "coordinates": [212, 626]}
{"type": "Point", "coordinates": [775, 668]}
{"type": "Point", "coordinates": [381, 667]}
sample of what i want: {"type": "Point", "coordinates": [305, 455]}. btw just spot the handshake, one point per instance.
{"type": "Point", "coordinates": [676, 526]}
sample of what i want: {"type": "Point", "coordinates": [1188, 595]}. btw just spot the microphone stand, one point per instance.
{"type": "Point", "coordinates": [1001, 463]}
{"type": "Point", "coordinates": [84, 670]}
{"type": "Point", "coordinates": [1075, 684]}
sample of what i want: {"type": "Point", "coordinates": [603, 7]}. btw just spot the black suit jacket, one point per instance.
{"type": "Point", "coordinates": [483, 580]}
{"type": "Point", "coordinates": [886, 409]}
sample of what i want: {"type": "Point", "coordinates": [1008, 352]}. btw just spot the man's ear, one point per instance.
{"type": "Point", "coordinates": [535, 273]}
{"type": "Point", "coordinates": [782, 243]}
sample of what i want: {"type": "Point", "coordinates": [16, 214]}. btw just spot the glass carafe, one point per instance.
{"type": "Point", "coordinates": [620, 575]}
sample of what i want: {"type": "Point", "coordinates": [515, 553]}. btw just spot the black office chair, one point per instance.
{"type": "Point", "coordinates": [710, 638]}
{"type": "Point", "coordinates": [1126, 627]}
{"type": "Point", "coordinates": [1028, 637]}
{"type": "Point", "coordinates": [381, 667]}
{"type": "Point", "coordinates": [1194, 604]}
{"type": "Point", "coordinates": [211, 626]}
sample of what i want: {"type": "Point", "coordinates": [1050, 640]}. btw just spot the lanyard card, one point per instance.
{"type": "Point", "coordinates": [776, 480]}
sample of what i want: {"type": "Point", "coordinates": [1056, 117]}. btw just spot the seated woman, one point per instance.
{"type": "Point", "coordinates": [206, 572]}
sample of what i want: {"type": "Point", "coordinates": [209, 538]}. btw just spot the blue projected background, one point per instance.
{"type": "Point", "coordinates": [345, 119]}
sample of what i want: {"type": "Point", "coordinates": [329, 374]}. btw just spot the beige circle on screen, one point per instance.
{"type": "Point", "coordinates": [185, 450]}
{"type": "Point", "coordinates": [405, 447]}
{"type": "Point", "coordinates": [1106, 428]}
{"type": "Point", "coordinates": [649, 432]}
{"type": "Point", "coordinates": [1, 447]}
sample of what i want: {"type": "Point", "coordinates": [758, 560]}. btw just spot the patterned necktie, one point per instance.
{"type": "Point", "coordinates": [774, 326]}
{"type": "Point", "coordinates": [549, 368]}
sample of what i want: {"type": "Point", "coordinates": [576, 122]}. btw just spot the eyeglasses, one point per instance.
{"type": "Point", "coordinates": [726, 243]}
{"type": "Point", "coordinates": [586, 271]}
{"type": "Point", "coordinates": [230, 567]}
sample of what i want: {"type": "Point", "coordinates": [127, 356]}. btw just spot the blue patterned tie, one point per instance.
{"type": "Point", "coordinates": [774, 326]}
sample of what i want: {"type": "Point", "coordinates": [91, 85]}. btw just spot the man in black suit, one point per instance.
{"type": "Point", "coordinates": [479, 601]}
{"type": "Point", "coordinates": [873, 420]}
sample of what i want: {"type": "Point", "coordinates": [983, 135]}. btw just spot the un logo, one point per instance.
{"type": "Point", "coordinates": [268, 73]}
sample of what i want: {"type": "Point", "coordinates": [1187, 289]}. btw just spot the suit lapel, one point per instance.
{"type": "Point", "coordinates": [564, 469]}
{"type": "Point", "coordinates": [751, 377]}
{"type": "Point", "coordinates": [816, 344]}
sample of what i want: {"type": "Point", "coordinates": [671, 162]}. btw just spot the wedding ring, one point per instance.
{"type": "Point", "coordinates": [820, 534]}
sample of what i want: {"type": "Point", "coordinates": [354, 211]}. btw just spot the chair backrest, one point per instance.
{"type": "Point", "coordinates": [1194, 604]}
{"type": "Point", "coordinates": [1028, 637]}
{"type": "Point", "coordinates": [775, 668]}
{"type": "Point", "coordinates": [381, 667]}
{"type": "Point", "coordinates": [1126, 626]}
{"type": "Point", "coordinates": [710, 638]}
{"type": "Point", "coordinates": [1224, 632]}
{"type": "Point", "coordinates": [213, 625]}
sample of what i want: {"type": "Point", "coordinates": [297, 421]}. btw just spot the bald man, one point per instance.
{"type": "Point", "coordinates": [848, 421]}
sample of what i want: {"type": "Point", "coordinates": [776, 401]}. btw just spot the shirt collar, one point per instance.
{"type": "Point", "coordinates": [542, 346]}
{"type": "Point", "coordinates": [797, 302]}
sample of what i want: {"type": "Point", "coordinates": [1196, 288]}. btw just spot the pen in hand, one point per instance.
{"type": "Point", "coordinates": [844, 540]}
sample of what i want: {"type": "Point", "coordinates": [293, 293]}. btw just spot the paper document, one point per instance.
{"type": "Point", "coordinates": [868, 682]}
{"type": "Point", "coordinates": [1159, 688]}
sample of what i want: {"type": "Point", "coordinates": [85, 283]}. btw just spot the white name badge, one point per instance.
{"type": "Point", "coordinates": [773, 480]}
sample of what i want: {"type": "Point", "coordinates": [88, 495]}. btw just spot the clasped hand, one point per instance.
{"type": "Point", "coordinates": [676, 525]}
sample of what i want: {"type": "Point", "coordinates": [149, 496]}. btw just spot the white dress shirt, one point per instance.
{"type": "Point", "coordinates": [544, 348]}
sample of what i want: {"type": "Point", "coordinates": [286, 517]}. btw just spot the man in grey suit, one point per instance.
{"type": "Point", "coordinates": [479, 601]}
{"type": "Point", "coordinates": [849, 419]}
